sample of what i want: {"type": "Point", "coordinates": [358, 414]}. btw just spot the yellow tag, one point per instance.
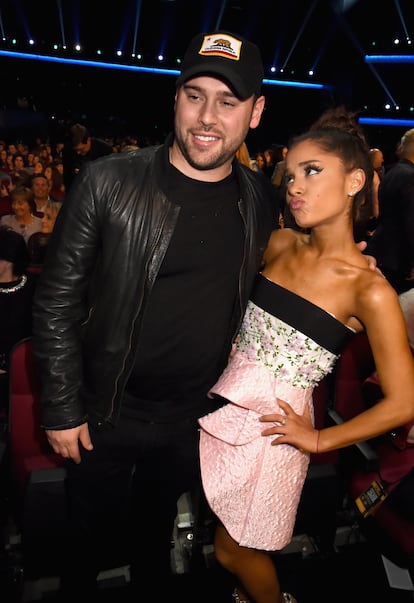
{"type": "Point", "coordinates": [369, 500]}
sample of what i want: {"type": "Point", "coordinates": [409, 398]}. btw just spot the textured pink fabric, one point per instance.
{"type": "Point", "coordinates": [253, 488]}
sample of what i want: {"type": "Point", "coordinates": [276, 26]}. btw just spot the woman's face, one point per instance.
{"type": "Point", "coordinates": [260, 161]}
{"type": "Point", "coordinates": [47, 222]}
{"type": "Point", "coordinates": [20, 207]}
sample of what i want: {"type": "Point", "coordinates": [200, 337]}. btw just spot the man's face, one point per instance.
{"type": "Point", "coordinates": [211, 123]}
{"type": "Point", "coordinates": [83, 147]}
{"type": "Point", "coordinates": [40, 188]}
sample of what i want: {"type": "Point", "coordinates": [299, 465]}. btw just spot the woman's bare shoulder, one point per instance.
{"type": "Point", "coordinates": [280, 240]}
{"type": "Point", "coordinates": [375, 293]}
{"type": "Point", "coordinates": [283, 237]}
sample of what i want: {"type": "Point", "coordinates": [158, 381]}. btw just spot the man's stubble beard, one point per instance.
{"type": "Point", "coordinates": [212, 162]}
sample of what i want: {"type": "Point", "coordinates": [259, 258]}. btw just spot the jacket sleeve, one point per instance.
{"type": "Point", "coordinates": [61, 305]}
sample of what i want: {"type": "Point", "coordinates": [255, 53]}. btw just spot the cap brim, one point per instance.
{"type": "Point", "coordinates": [231, 79]}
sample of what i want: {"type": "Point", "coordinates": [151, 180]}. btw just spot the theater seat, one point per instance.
{"type": "Point", "coordinates": [29, 448]}
{"type": "Point", "coordinates": [37, 474]}
{"type": "Point", "coordinates": [385, 460]}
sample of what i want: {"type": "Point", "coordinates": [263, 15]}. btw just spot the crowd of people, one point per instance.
{"type": "Point", "coordinates": [179, 326]}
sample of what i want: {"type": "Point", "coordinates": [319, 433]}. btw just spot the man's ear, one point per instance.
{"type": "Point", "coordinates": [258, 109]}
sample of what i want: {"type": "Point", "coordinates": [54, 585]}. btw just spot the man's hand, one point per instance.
{"type": "Point", "coordinates": [66, 441]}
{"type": "Point", "coordinates": [371, 261]}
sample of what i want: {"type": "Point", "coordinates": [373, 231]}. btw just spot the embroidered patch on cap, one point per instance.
{"type": "Point", "coordinates": [221, 46]}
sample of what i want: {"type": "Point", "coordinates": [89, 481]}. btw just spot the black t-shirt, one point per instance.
{"type": "Point", "coordinates": [189, 311]}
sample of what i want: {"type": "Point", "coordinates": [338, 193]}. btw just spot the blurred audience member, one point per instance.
{"type": "Point", "coordinates": [38, 166]}
{"type": "Point", "coordinates": [5, 186]}
{"type": "Point", "coordinates": [277, 178]}
{"type": "Point", "coordinates": [40, 187]}
{"type": "Point", "coordinates": [377, 158]}
{"type": "Point", "coordinates": [56, 185]}
{"type": "Point", "coordinates": [407, 305]}
{"type": "Point", "coordinates": [38, 241]}
{"type": "Point", "coordinates": [280, 153]}
{"type": "Point", "coordinates": [259, 162]}
{"type": "Point", "coordinates": [16, 294]}
{"type": "Point", "coordinates": [4, 167]}
{"type": "Point", "coordinates": [243, 155]}
{"type": "Point", "coordinates": [19, 167]}
{"type": "Point", "coordinates": [79, 148]}
{"type": "Point", "coordinates": [393, 241]}
{"type": "Point", "coordinates": [269, 165]}
{"type": "Point", "coordinates": [23, 220]}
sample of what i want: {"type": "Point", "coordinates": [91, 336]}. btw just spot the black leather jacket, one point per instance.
{"type": "Point", "coordinates": [103, 257]}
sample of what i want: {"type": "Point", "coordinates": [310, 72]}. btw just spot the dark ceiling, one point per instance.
{"type": "Point", "coordinates": [332, 36]}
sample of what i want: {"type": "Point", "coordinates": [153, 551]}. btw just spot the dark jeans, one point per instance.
{"type": "Point", "coordinates": [122, 502]}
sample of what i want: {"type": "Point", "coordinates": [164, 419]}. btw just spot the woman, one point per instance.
{"type": "Point", "coordinates": [253, 483]}
{"type": "Point", "coordinates": [23, 219]}
{"type": "Point", "coordinates": [16, 294]}
{"type": "Point", "coordinates": [38, 242]}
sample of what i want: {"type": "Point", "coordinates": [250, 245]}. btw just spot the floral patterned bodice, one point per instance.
{"type": "Point", "coordinates": [287, 353]}
{"type": "Point", "coordinates": [291, 355]}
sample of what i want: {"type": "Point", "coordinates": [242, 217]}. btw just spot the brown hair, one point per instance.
{"type": "Point", "coordinates": [337, 131]}
{"type": "Point", "coordinates": [26, 193]}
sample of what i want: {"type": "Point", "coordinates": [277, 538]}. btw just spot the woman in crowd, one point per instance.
{"type": "Point", "coordinates": [314, 292]}
{"type": "Point", "coordinates": [23, 219]}
{"type": "Point", "coordinates": [16, 294]}
{"type": "Point", "coordinates": [38, 242]}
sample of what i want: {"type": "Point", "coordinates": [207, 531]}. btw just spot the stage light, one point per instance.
{"type": "Point", "coordinates": [163, 71]}
{"type": "Point", "coordinates": [386, 121]}
{"type": "Point", "coordinates": [389, 58]}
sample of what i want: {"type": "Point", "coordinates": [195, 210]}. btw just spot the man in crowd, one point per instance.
{"type": "Point", "coordinates": [79, 148]}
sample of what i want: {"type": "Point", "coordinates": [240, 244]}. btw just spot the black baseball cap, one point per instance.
{"type": "Point", "coordinates": [227, 56]}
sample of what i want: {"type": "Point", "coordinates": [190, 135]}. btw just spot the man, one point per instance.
{"type": "Point", "coordinates": [393, 241]}
{"type": "Point", "coordinates": [40, 187]}
{"type": "Point", "coordinates": [79, 148]}
{"type": "Point", "coordinates": [377, 158]}
{"type": "Point", "coordinates": [147, 277]}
